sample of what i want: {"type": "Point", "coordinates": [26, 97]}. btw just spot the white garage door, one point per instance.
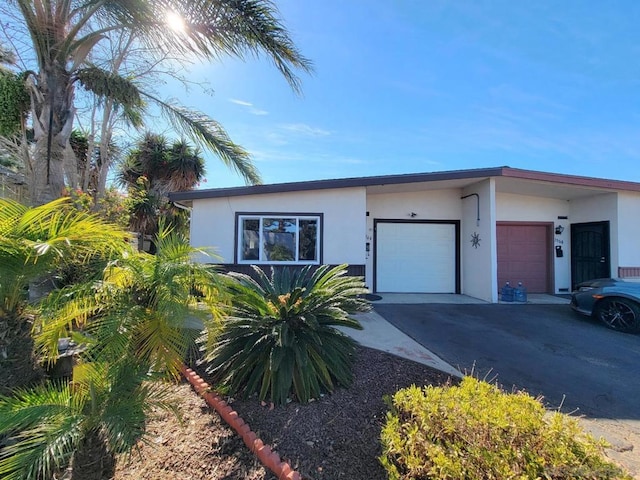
{"type": "Point", "coordinates": [416, 257]}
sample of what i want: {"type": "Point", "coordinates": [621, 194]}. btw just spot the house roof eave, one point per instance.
{"type": "Point", "coordinates": [400, 179]}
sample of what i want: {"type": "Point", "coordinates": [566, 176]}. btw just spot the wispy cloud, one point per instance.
{"type": "Point", "coordinates": [304, 129]}
{"type": "Point", "coordinates": [241, 102]}
{"type": "Point", "coordinates": [276, 139]}
{"type": "Point", "coordinates": [249, 106]}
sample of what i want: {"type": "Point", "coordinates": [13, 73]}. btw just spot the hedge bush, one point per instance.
{"type": "Point", "coordinates": [477, 431]}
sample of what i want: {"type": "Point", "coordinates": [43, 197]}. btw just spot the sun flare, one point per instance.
{"type": "Point", "coordinates": [175, 22]}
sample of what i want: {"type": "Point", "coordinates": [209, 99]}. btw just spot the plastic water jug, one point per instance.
{"type": "Point", "coordinates": [506, 293]}
{"type": "Point", "coordinates": [520, 293]}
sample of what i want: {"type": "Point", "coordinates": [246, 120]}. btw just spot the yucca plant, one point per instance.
{"type": "Point", "coordinates": [281, 340]}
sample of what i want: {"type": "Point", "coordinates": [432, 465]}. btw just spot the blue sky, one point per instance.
{"type": "Point", "coordinates": [417, 86]}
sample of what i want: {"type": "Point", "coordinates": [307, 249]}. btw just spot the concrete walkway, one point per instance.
{"type": "Point", "coordinates": [381, 335]}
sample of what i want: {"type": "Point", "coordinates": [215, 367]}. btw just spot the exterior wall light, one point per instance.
{"type": "Point", "coordinates": [559, 230]}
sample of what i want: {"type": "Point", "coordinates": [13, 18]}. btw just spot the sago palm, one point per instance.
{"type": "Point", "coordinates": [64, 34]}
{"type": "Point", "coordinates": [280, 340]}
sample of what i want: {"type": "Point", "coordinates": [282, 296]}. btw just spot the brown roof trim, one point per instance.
{"type": "Point", "coordinates": [571, 179]}
{"type": "Point", "coordinates": [404, 179]}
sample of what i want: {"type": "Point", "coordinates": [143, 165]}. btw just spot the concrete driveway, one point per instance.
{"type": "Point", "coordinates": [572, 361]}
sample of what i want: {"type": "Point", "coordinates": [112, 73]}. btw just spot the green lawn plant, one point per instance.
{"type": "Point", "coordinates": [476, 431]}
{"type": "Point", "coordinates": [280, 340]}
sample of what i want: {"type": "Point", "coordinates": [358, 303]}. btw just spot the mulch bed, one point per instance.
{"type": "Point", "coordinates": [337, 436]}
{"type": "Point", "coordinates": [200, 446]}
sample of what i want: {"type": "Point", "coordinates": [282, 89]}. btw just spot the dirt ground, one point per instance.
{"type": "Point", "coordinates": [200, 446]}
{"type": "Point", "coordinates": [335, 437]}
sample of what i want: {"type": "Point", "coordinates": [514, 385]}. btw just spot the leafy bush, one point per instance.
{"type": "Point", "coordinates": [476, 431]}
{"type": "Point", "coordinates": [280, 338]}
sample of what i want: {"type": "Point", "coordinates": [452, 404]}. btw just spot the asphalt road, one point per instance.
{"type": "Point", "coordinates": [546, 350]}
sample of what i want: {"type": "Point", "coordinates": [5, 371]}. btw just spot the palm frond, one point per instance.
{"type": "Point", "coordinates": [61, 312]}
{"type": "Point", "coordinates": [238, 27]}
{"type": "Point", "coordinates": [143, 307]}
{"type": "Point", "coordinates": [40, 451]}
{"type": "Point", "coordinates": [44, 427]}
{"type": "Point", "coordinates": [105, 84]}
{"type": "Point", "coordinates": [213, 29]}
{"type": "Point", "coordinates": [210, 134]}
{"type": "Point", "coordinates": [35, 241]}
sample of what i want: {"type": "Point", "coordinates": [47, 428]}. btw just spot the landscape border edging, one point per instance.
{"type": "Point", "coordinates": [269, 458]}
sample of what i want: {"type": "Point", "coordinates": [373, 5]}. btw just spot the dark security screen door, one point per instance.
{"type": "Point", "coordinates": [589, 252]}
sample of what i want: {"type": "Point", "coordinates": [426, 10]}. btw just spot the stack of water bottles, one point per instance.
{"type": "Point", "coordinates": [513, 294]}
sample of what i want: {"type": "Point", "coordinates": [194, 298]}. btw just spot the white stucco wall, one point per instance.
{"type": "Point", "coordinates": [478, 272]}
{"type": "Point", "coordinates": [629, 230]}
{"type": "Point", "coordinates": [599, 208]}
{"type": "Point", "coordinates": [427, 205]}
{"type": "Point", "coordinates": [213, 220]}
{"type": "Point", "coordinates": [525, 208]}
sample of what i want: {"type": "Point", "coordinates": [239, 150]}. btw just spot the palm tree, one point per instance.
{"type": "Point", "coordinates": [146, 307]}
{"type": "Point", "coordinates": [153, 169]}
{"type": "Point", "coordinates": [137, 325]}
{"type": "Point", "coordinates": [34, 242]}
{"type": "Point", "coordinates": [83, 423]}
{"type": "Point", "coordinates": [64, 33]}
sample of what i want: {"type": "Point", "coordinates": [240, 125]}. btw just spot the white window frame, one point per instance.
{"type": "Point", "coordinates": [262, 260]}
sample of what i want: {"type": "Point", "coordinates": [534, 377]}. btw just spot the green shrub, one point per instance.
{"type": "Point", "coordinates": [476, 431]}
{"type": "Point", "coordinates": [281, 338]}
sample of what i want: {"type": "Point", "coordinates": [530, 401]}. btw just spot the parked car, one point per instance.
{"type": "Point", "coordinates": [613, 301]}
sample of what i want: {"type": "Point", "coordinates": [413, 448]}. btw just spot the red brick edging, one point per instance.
{"type": "Point", "coordinates": [269, 458]}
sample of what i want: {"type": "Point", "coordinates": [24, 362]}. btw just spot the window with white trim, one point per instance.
{"type": "Point", "coordinates": [293, 239]}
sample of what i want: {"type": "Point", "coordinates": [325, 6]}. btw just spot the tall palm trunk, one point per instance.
{"type": "Point", "coordinates": [18, 365]}
{"type": "Point", "coordinates": [93, 460]}
{"type": "Point", "coordinates": [53, 112]}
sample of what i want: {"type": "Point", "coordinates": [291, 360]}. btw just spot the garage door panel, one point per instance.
{"type": "Point", "coordinates": [523, 256]}
{"type": "Point", "coordinates": [416, 257]}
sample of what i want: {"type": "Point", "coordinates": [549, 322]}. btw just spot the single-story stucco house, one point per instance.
{"type": "Point", "coordinates": [465, 231]}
